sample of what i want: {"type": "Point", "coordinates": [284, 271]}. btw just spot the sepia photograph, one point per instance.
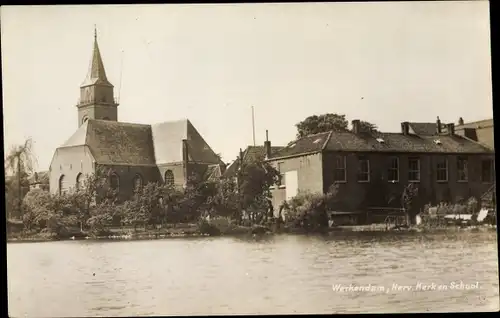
{"type": "Point", "coordinates": [249, 159]}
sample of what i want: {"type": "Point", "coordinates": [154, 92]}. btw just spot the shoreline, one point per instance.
{"type": "Point", "coordinates": [153, 235]}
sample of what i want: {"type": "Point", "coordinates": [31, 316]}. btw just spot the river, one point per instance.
{"type": "Point", "coordinates": [344, 273]}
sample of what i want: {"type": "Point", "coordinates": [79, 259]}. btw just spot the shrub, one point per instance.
{"type": "Point", "coordinates": [204, 227]}
{"type": "Point", "coordinates": [223, 224]}
{"type": "Point", "coordinates": [309, 210]}
{"type": "Point", "coordinates": [472, 205]}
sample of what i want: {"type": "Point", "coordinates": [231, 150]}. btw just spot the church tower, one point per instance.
{"type": "Point", "coordinates": [97, 100]}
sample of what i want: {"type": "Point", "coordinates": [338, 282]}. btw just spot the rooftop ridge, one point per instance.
{"type": "Point", "coordinates": [111, 122]}
{"type": "Point", "coordinates": [171, 121]}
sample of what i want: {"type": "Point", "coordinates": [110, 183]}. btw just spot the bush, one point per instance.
{"type": "Point", "coordinates": [223, 224]}
{"type": "Point", "coordinates": [204, 227]}
{"type": "Point", "coordinates": [309, 210]}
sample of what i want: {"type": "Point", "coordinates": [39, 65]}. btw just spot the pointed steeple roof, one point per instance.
{"type": "Point", "coordinates": [96, 74]}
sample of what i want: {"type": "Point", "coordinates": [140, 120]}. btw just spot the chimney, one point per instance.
{"type": "Point", "coordinates": [451, 129]}
{"type": "Point", "coordinates": [460, 121]}
{"type": "Point", "coordinates": [267, 146]}
{"type": "Point", "coordinates": [438, 125]}
{"type": "Point", "coordinates": [356, 126]}
{"type": "Point", "coordinates": [405, 128]}
{"type": "Point", "coordinates": [240, 158]}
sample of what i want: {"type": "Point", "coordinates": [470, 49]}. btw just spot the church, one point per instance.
{"type": "Point", "coordinates": [134, 154]}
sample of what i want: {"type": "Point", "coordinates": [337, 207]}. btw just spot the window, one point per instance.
{"type": "Point", "coordinates": [62, 185]}
{"type": "Point", "coordinates": [114, 181]}
{"type": "Point", "coordinates": [282, 180]}
{"type": "Point", "coordinates": [339, 172]}
{"type": "Point", "coordinates": [79, 182]}
{"type": "Point", "coordinates": [442, 170]}
{"type": "Point", "coordinates": [487, 170]}
{"type": "Point", "coordinates": [84, 119]}
{"type": "Point", "coordinates": [169, 178]}
{"type": "Point", "coordinates": [393, 170]}
{"type": "Point", "coordinates": [413, 170]}
{"type": "Point", "coordinates": [137, 183]}
{"type": "Point", "coordinates": [363, 169]}
{"type": "Point", "coordinates": [462, 170]}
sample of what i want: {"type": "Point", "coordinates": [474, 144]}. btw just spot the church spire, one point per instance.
{"type": "Point", "coordinates": [96, 74]}
{"type": "Point", "coordinates": [97, 100]}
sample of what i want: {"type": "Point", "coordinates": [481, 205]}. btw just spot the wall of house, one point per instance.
{"type": "Point", "coordinates": [73, 161]}
{"type": "Point", "coordinates": [69, 162]}
{"type": "Point", "coordinates": [127, 175]}
{"type": "Point", "coordinates": [177, 169]}
{"type": "Point", "coordinates": [309, 176]}
{"type": "Point", "coordinates": [354, 195]}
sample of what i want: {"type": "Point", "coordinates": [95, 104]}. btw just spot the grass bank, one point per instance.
{"type": "Point", "coordinates": [194, 230]}
{"type": "Point", "coordinates": [129, 233]}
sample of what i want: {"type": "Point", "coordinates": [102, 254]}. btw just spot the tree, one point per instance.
{"type": "Point", "coordinates": [170, 201]}
{"type": "Point", "coordinates": [367, 126]}
{"type": "Point", "coordinates": [86, 196]}
{"type": "Point", "coordinates": [37, 206]}
{"type": "Point", "coordinates": [329, 122]}
{"type": "Point", "coordinates": [322, 123]}
{"type": "Point", "coordinates": [198, 198]}
{"type": "Point", "coordinates": [101, 216]}
{"type": "Point", "coordinates": [52, 213]}
{"type": "Point", "coordinates": [254, 181]}
{"type": "Point", "coordinates": [20, 161]}
{"type": "Point", "coordinates": [225, 201]}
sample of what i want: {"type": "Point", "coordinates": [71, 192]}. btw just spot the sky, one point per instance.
{"type": "Point", "coordinates": [381, 62]}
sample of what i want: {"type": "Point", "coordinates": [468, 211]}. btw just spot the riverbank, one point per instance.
{"type": "Point", "coordinates": [179, 231]}
{"type": "Point", "coordinates": [192, 231]}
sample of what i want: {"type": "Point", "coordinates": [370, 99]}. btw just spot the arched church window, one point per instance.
{"type": "Point", "coordinates": [169, 178]}
{"type": "Point", "coordinates": [79, 182]}
{"type": "Point", "coordinates": [84, 119]}
{"type": "Point", "coordinates": [62, 185]}
{"type": "Point", "coordinates": [114, 181]}
{"type": "Point", "coordinates": [137, 183]}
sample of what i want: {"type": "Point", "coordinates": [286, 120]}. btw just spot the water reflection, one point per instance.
{"type": "Point", "coordinates": [263, 275]}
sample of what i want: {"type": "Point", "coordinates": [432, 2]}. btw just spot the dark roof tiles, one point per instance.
{"type": "Point", "coordinates": [308, 144]}
{"type": "Point", "coordinates": [380, 142]}
{"type": "Point", "coordinates": [112, 142]}
{"type": "Point", "coordinates": [120, 143]}
{"type": "Point", "coordinates": [396, 142]}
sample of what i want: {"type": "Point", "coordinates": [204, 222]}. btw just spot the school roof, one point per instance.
{"type": "Point", "coordinates": [380, 142]}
